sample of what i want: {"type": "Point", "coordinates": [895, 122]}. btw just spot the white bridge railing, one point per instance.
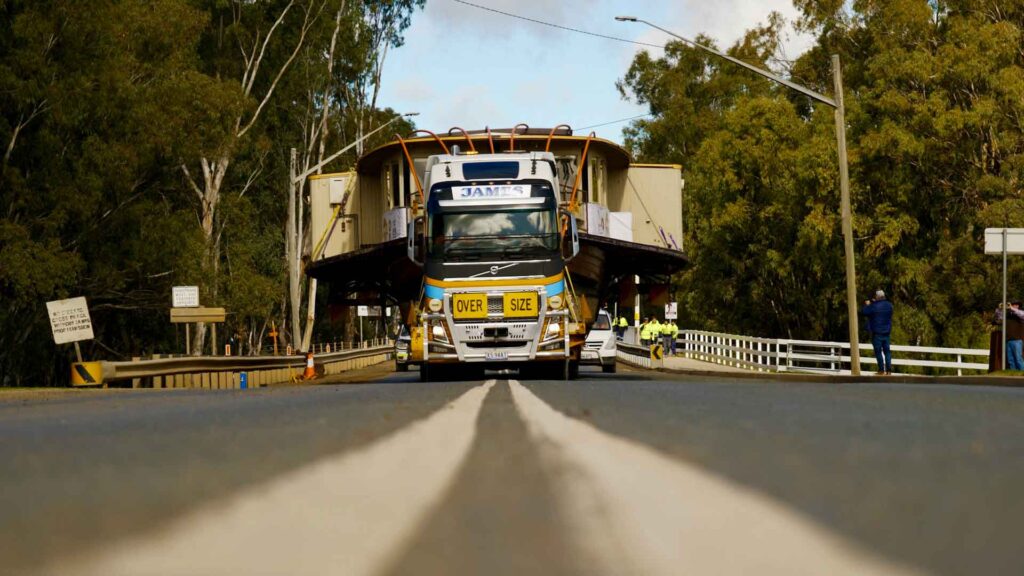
{"type": "Point", "coordinates": [781, 355]}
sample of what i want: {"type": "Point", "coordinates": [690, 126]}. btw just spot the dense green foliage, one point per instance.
{"type": "Point", "coordinates": [146, 145]}
{"type": "Point", "coordinates": [935, 103]}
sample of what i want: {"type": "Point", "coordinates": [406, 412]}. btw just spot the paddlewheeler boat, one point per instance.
{"type": "Point", "coordinates": [498, 246]}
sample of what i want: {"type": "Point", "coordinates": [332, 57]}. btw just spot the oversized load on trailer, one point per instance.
{"type": "Point", "coordinates": [499, 254]}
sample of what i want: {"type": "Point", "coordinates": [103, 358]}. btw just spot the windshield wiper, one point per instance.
{"type": "Point", "coordinates": [462, 254]}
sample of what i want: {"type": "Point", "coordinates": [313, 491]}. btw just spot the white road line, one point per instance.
{"type": "Point", "coordinates": [636, 511]}
{"type": "Point", "coordinates": [344, 515]}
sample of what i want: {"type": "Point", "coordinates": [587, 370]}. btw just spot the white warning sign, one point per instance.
{"type": "Point", "coordinates": [69, 320]}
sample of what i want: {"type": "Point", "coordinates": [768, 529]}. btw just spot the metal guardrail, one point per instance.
{"type": "Point", "coordinates": [113, 371]}
{"type": "Point", "coordinates": [636, 355]}
{"type": "Point", "coordinates": [784, 355]}
{"type": "Point", "coordinates": [224, 371]}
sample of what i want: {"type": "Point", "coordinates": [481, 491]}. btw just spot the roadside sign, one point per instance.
{"type": "Point", "coordinates": [86, 373]}
{"type": "Point", "coordinates": [185, 296]}
{"type": "Point", "coordinates": [179, 315]}
{"type": "Point", "coordinates": [657, 352]}
{"type": "Point", "coordinates": [69, 320]}
{"type": "Point", "coordinates": [994, 240]}
{"type": "Point", "coordinates": [363, 310]}
{"type": "Point", "coordinates": [671, 312]}
{"type": "Point", "coordinates": [1004, 241]}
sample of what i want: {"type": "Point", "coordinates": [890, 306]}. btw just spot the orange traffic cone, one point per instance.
{"type": "Point", "coordinates": [310, 371]}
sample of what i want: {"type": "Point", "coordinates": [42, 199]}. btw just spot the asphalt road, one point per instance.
{"type": "Point", "coordinates": [629, 473]}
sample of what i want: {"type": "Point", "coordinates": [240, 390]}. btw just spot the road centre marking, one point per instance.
{"type": "Point", "coordinates": [346, 514]}
{"type": "Point", "coordinates": [633, 510]}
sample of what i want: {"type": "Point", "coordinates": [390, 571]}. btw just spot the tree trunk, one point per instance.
{"type": "Point", "coordinates": [292, 256]}
{"type": "Point", "coordinates": [213, 179]}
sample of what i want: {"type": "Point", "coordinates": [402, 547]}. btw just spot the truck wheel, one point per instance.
{"type": "Point", "coordinates": [571, 370]}
{"type": "Point", "coordinates": [424, 372]}
{"type": "Point", "coordinates": [608, 368]}
{"type": "Point", "coordinates": [401, 367]}
{"type": "Point", "coordinates": [441, 373]}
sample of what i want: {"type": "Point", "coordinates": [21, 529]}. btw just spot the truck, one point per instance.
{"type": "Point", "coordinates": [493, 244]}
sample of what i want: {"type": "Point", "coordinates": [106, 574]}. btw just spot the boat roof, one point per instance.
{"type": "Point", "coordinates": [525, 140]}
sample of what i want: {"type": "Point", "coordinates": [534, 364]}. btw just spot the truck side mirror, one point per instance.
{"type": "Point", "coordinates": [414, 243]}
{"type": "Point", "coordinates": [571, 241]}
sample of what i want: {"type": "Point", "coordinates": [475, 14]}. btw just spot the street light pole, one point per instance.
{"type": "Point", "coordinates": [844, 174]}
{"type": "Point", "coordinates": [847, 217]}
{"type": "Point", "coordinates": [300, 177]}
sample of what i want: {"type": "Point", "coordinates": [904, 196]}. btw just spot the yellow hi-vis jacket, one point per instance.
{"type": "Point", "coordinates": [622, 322]}
{"type": "Point", "coordinates": [673, 328]}
{"type": "Point", "coordinates": [655, 329]}
{"type": "Point", "coordinates": [645, 331]}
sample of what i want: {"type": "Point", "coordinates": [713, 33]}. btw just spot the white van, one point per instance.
{"type": "Point", "coordinates": [599, 348]}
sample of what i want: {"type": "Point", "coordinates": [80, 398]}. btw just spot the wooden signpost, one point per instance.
{"type": "Point", "coordinates": [189, 316]}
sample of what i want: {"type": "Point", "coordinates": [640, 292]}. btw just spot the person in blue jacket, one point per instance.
{"type": "Point", "coordinates": [879, 315]}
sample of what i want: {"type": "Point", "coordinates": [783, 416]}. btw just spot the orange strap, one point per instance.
{"type": "Point", "coordinates": [436, 138]}
{"type": "Point", "coordinates": [512, 138]}
{"type": "Point", "coordinates": [466, 134]}
{"type": "Point", "coordinates": [547, 145]}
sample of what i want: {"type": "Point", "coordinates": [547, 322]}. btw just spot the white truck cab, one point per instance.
{"type": "Point", "coordinates": [599, 347]}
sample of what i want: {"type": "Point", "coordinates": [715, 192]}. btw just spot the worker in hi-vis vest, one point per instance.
{"type": "Point", "coordinates": [655, 330]}
{"type": "Point", "coordinates": [645, 332]}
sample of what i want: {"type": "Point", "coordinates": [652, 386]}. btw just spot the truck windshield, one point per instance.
{"type": "Point", "coordinates": [468, 235]}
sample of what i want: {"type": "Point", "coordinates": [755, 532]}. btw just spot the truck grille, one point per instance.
{"type": "Point", "coordinates": [498, 344]}
{"type": "Point", "coordinates": [494, 304]}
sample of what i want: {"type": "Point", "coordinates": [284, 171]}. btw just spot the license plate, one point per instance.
{"type": "Point", "coordinates": [520, 304]}
{"type": "Point", "coordinates": [469, 306]}
{"type": "Point", "coordinates": [589, 355]}
{"type": "Point", "coordinates": [496, 356]}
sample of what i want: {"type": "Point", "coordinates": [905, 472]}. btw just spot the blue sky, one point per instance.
{"type": "Point", "coordinates": [463, 66]}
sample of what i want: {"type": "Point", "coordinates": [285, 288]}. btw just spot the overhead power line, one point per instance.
{"type": "Point", "coordinates": [578, 31]}
{"type": "Point", "coordinates": [559, 26]}
{"type": "Point", "coordinates": [616, 121]}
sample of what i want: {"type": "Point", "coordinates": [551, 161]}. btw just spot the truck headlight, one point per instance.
{"type": "Point", "coordinates": [434, 305]}
{"type": "Point", "coordinates": [555, 302]}
{"type": "Point", "coordinates": [438, 333]}
{"type": "Point", "coordinates": [554, 328]}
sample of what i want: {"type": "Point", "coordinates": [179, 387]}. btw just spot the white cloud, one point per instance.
{"type": "Point", "coordinates": [412, 88]}
{"type": "Point", "coordinates": [463, 66]}
{"type": "Point", "coordinates": [471, 107]}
